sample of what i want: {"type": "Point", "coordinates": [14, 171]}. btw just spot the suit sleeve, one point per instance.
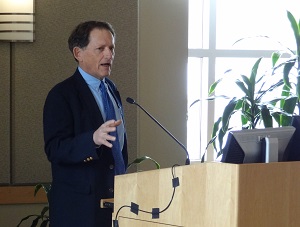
{"type": "Point", "coordinates": [63, 144]}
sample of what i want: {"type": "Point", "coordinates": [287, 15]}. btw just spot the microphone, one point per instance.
{"type": "Point", "coordinates": [132, 101]}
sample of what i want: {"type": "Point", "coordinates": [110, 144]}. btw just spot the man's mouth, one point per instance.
{"type": "Point", "coordinates": [105, 64]}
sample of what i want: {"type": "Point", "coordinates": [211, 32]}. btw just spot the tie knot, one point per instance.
{"type": "Point", "coordinates": [102, 86]}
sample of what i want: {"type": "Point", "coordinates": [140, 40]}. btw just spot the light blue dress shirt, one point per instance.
{"type": "Point", "coordinates": [94, 84]}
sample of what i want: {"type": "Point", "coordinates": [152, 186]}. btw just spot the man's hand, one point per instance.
{"type": "Point", "coordinates": [101, 135]}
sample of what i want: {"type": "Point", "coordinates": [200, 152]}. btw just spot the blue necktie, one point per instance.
{"type": "Point", "coordinates": [110, 114]}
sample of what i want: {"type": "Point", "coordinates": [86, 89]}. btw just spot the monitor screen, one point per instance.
{"type": "Point", "coordinates": [248, 146]}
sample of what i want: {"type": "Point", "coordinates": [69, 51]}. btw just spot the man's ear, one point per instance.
{"type": "Point", "coordinates": [77, 52]}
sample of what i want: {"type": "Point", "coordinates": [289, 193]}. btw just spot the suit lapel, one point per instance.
{"type": "Point", "coordinates": [88, 101]}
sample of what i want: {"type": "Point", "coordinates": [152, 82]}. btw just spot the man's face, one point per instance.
{"type": "Point", "coordinates": [97, 57]}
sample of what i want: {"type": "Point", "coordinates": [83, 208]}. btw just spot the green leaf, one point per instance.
{"type": "Point", "coordinates": [290, 104]}
{"type": "Point", "coordinates": [239, 104]}
{"type": "Point", "coordinates": [45, 186]}
{"type": "Point", "coordinates": [295, 28]}
{"type": "Point", "coordinates": [242, 86]}
{"type": "Point", "coordinates": [214, 132]}
{"type": "Point", "coordinates": [35, 222]}
{"type": "Point", "coordinates": [254, 71]}
{"type": "Point", "coordinates": [228, 111]}
{"type": "Point", "coordinates": [246, 80]}
{"type": "Point", "coordinates": [277, 117]}
{"type": "Point", "coordinates": [285, 120]}
{"type": "Point", "coordinates": [27, 217]}
{"type": "Point", "coordinates": [44, 223]}
{"type": "Point", "coordinates": [213, 86]}
{"type": "Point", "coordinates": [45, 209]}
{"type": "Point", "coordinates": [37, 188]}
{"type": "Point", "coordinates": [275, 57]}
{"type": "Point", "coordinates": [286, 71]}
{"type": "Point", "coordinates": [193, 103]}
{"type": "Point", "coordinates": [217, 133]}
{"type": "Point", "coordinates": [266, 117]}
{"type": "Point", "coordinates": [216, 127]}
{"type": "Point", "coordinates": [142, 159]}
{"type": "Point", "coordinates": [221, 137]}
{"type": "Point", "coordinates": [284, 93]}
{"type": "Point", "coordinates": [211, 141]}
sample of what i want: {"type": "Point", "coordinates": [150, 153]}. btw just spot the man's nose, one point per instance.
{"type": "Point", "coordinates": [108, 53]}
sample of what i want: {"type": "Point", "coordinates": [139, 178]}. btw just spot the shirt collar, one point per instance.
{"type": "Point", "coordinates": [89, 79]}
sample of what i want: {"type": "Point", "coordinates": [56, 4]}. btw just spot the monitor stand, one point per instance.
{"type": "Point", "coordinates": [269, 150]}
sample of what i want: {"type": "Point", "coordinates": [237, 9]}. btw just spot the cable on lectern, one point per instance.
{"type": "Point", "coordinates": [134, 208]}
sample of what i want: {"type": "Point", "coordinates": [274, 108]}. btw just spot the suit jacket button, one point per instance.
{"type": "Point", "coordinates": [111, 166]}
{"type": "Point", "coordinates": [111, 190]}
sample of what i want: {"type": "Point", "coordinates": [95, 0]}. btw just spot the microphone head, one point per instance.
{"type": "Point", "coordinates": [130, 100]}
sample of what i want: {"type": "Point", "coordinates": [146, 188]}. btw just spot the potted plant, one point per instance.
{"type": "Point", "coordinates": [43, 216]}
{"type": "Point", "coordinates": [252, 105]}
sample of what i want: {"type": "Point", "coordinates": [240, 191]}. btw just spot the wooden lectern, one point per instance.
{"type": "Point", "coordinates": [212, 195]}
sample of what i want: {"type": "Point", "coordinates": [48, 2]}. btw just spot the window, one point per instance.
{"type": "Point", "coordinates": [214, 27]}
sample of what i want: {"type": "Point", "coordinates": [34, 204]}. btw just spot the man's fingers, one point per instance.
{"type": "Point", "coordinates": [107, 139]}
{"type": "Point", "coordinates": [113, 123]}
{"type": "Point", "coordinates": [110, 138]}
{"type": "Point", "coordinates": [102, 136]}
{"type": "Point", "coordinates": [107, 144]}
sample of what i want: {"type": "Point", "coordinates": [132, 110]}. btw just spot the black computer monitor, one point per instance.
{"type": "Point", "coordinates": [248, 146]}
{"type": "Point", "coordinates": [294, 146]}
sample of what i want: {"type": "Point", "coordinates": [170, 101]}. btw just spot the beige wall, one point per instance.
{"type": "Point", "coordinates": [38, 66]}
{"type": "Point", "coordinates": [150, 66]}
{"type": "Point", "coordinates": [162, 80]}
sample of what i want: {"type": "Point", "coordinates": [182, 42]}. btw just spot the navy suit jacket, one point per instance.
{"type": "Point", "coordinates": [71, 115]}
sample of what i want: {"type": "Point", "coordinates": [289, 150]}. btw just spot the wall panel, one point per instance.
{"type": "Point", "coordinates": [163, 40]}
{"type": "Point", "coordinates": [5, 113]}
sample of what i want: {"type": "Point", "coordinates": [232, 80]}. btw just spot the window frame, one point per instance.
{"type": "Point", "coordinates": [212, 53]}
